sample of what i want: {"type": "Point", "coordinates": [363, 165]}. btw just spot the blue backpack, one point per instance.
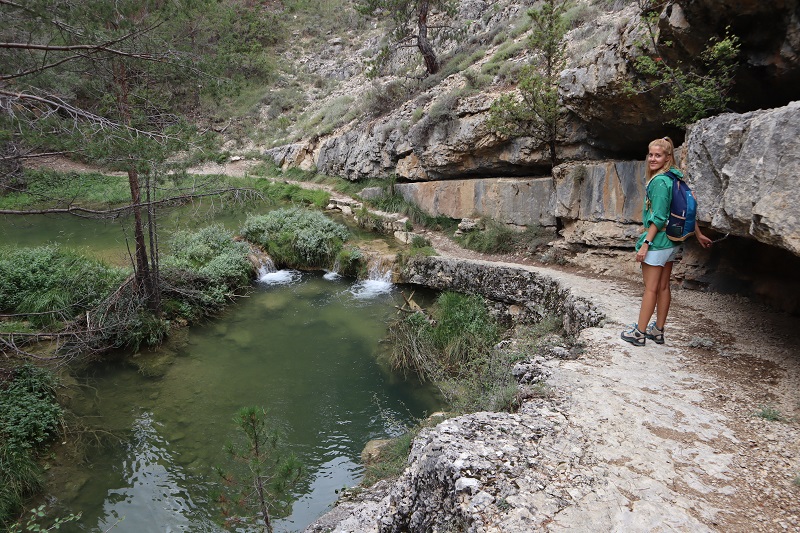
{"type": "Point", "coordinates": [682, 210]}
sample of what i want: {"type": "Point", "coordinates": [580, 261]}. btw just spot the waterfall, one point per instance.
{"type": "Point", "coordinates": [333, 274]}
{"type": "Point", "coordinates": [266, 266]}
{"type": "Point", "coordinates": [269, 275]}
{"type": "Point", "coordinates": [379, 278]}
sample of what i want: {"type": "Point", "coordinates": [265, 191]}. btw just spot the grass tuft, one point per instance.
{"type": "Point", "coordinates": [768, 412]}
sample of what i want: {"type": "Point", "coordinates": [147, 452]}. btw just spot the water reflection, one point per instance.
{"type": "Point", "coordinates": [154, 496]}
{"type": "Point", "coordinates": [304, 348]}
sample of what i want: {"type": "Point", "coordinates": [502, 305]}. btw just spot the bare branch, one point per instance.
{"type": "Point", "coordinates": [118, 211]}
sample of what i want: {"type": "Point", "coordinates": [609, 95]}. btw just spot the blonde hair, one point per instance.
{"type": "Point", "coordinates": [665, 143]}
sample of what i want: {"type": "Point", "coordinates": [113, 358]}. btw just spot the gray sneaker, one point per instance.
{"type": "Point", "coordinates": [634, 336]}
{"type": "Point", "coordinates": [654, 334]}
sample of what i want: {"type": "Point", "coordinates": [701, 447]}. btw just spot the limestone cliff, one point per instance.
{"type": "Point", "coordinates": [445, 159]}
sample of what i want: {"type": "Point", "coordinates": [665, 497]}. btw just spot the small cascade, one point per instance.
{"type": "Point", "coordinates": [268, 274]}
{"type": "Point", "coordinates": [379, 278]}
{"type": "Point", "coordinates": [333, 274]}
{"type": "Point", "coordinates": [266, 266]}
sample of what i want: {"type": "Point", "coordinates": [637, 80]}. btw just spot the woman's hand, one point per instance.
{"type": "Point", "coordinates": [704, 241]}
{"type": "Point", "coordinates": [642, 252]}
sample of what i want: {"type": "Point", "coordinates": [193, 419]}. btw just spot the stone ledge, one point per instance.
{"type": "Point", "coordinates": [536, 295]}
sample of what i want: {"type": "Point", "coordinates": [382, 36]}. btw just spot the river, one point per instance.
{"type": "Point", "coordinates": [302, 345]}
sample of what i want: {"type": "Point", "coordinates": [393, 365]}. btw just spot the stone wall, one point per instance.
{"type": "Point", "coordinates": [529, 296]}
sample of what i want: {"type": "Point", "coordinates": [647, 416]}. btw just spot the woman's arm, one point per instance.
{"type": "Point", "coordinates": [704, 241]}
{"type": "Point", "coordinates": [642, 251]}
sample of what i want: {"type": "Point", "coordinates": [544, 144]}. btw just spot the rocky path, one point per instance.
{"type": "Point", "coordinates": [700, 434]}
{"type": "Point", "coordinates": [674, 437]}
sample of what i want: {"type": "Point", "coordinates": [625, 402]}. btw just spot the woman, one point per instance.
{"type": "Point", "coordinates": [654, 250]}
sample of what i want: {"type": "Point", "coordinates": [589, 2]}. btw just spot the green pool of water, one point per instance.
{"type": "Point", "coordinates": [304, 347]}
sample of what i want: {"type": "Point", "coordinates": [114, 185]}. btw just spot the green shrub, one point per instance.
{"type": "Point", "coordinates": [456, 352]}
{"type": "Point", "coordinates": [392, 459]}
{"type": "Point", "coordinates": [464, 330]}
{"type": "Point", "coordinates": [457, 349]}
{"type": "Point", "coordinates": [395, 203]}
{"type": "Point", "coordinates": [768, 412]}
{"type": "Point", "coordinates": [498, 238]}
{"type": "Point", "coordinates": [58, 283]}
{"type": "Point", "coordinates": [207, 266]}
{"type": "Point", "coordinates": [495, 238]}
{"type": "Point", "coordinates": [350, 261]}
{"type": "Point", "coordinates": [381, 99]}
{"type": "Point", "coordinates": [30, 417]}
{"type": "Point", "coordinates": [297, 237]}
{"type": "Point", "coordinates": [30, 411]}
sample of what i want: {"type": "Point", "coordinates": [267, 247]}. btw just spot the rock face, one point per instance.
{"type": "Point", "coordinates": [745, 168]}
{"type": "Point", "coordinates": [517, 201]}
{"type": "Point", "coordinates": [600, 203]}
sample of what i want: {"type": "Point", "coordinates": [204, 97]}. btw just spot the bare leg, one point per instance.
{"type": "Point", "coordinates": [652, 279]}
{"type": "Point", "coordinates": [664, 296]}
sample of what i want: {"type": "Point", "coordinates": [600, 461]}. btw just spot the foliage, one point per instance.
{"type": "Point", "coordinates": [499, 238]}
{"type": "Point", "coordinates": [768, 412]}
{"type": "Point", "coordinates": [35, 516]}
{"type": "Point", "coordinates": [205, 269]}
{"type": "Point", "coordinates": [282, 192]}
{"type": "Point", "coordinates": [260, 492]}
{"type": "Point", "coordinates": [392, 459]}
{"type": "Point", "coordinates": [537, 113]}
{"type": "Point", "coordinates": [349, 261]}
{"type": "Point", "coordinates": [30, 411]}
{"type": "Point", "coordinates": [408, 21]}
{"type": "Point", "coordinates": [31, 416]}
{"type": "Point", "coordinates": [383, 98]}
{"type": "Point", "coordinates": [51, 285]}
{"type": "Point", "coordinates": [692, 92]}
{"type": "Point", "coordinates": [455, 350]}
{"type": "Point", "coordinates": [47, 187]}
{"type": "Point", "coordinates": [392, 202]}
{"type": "Point", "coordinates": [421, 246]}
{"type": "Point", "coordinates": [297, 237]}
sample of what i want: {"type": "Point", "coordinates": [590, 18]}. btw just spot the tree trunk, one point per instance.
{"type": "Point", "coordinates": [152, 232]}
{"type": "Point", "coordinates": [424, 45]}
{"type": "Point", "coordinates": [143, 275]}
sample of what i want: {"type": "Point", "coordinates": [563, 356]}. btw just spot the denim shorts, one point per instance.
{"type": "Point", "coordinates": [660, 258]}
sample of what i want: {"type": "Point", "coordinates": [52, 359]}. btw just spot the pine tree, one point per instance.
{"type": "Point", "coordinates": [537, 111]}
{"type": "Point", "coordinates": [409, 24]}
{"type": "Point", "coordinates": [268, 475]}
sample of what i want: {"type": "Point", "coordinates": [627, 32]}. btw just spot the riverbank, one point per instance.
{"type": "Point", "coordinates": [682, 436]}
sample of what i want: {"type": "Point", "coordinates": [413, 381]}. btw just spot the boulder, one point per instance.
{"type": "Point", "coordinates": [743, 169]}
